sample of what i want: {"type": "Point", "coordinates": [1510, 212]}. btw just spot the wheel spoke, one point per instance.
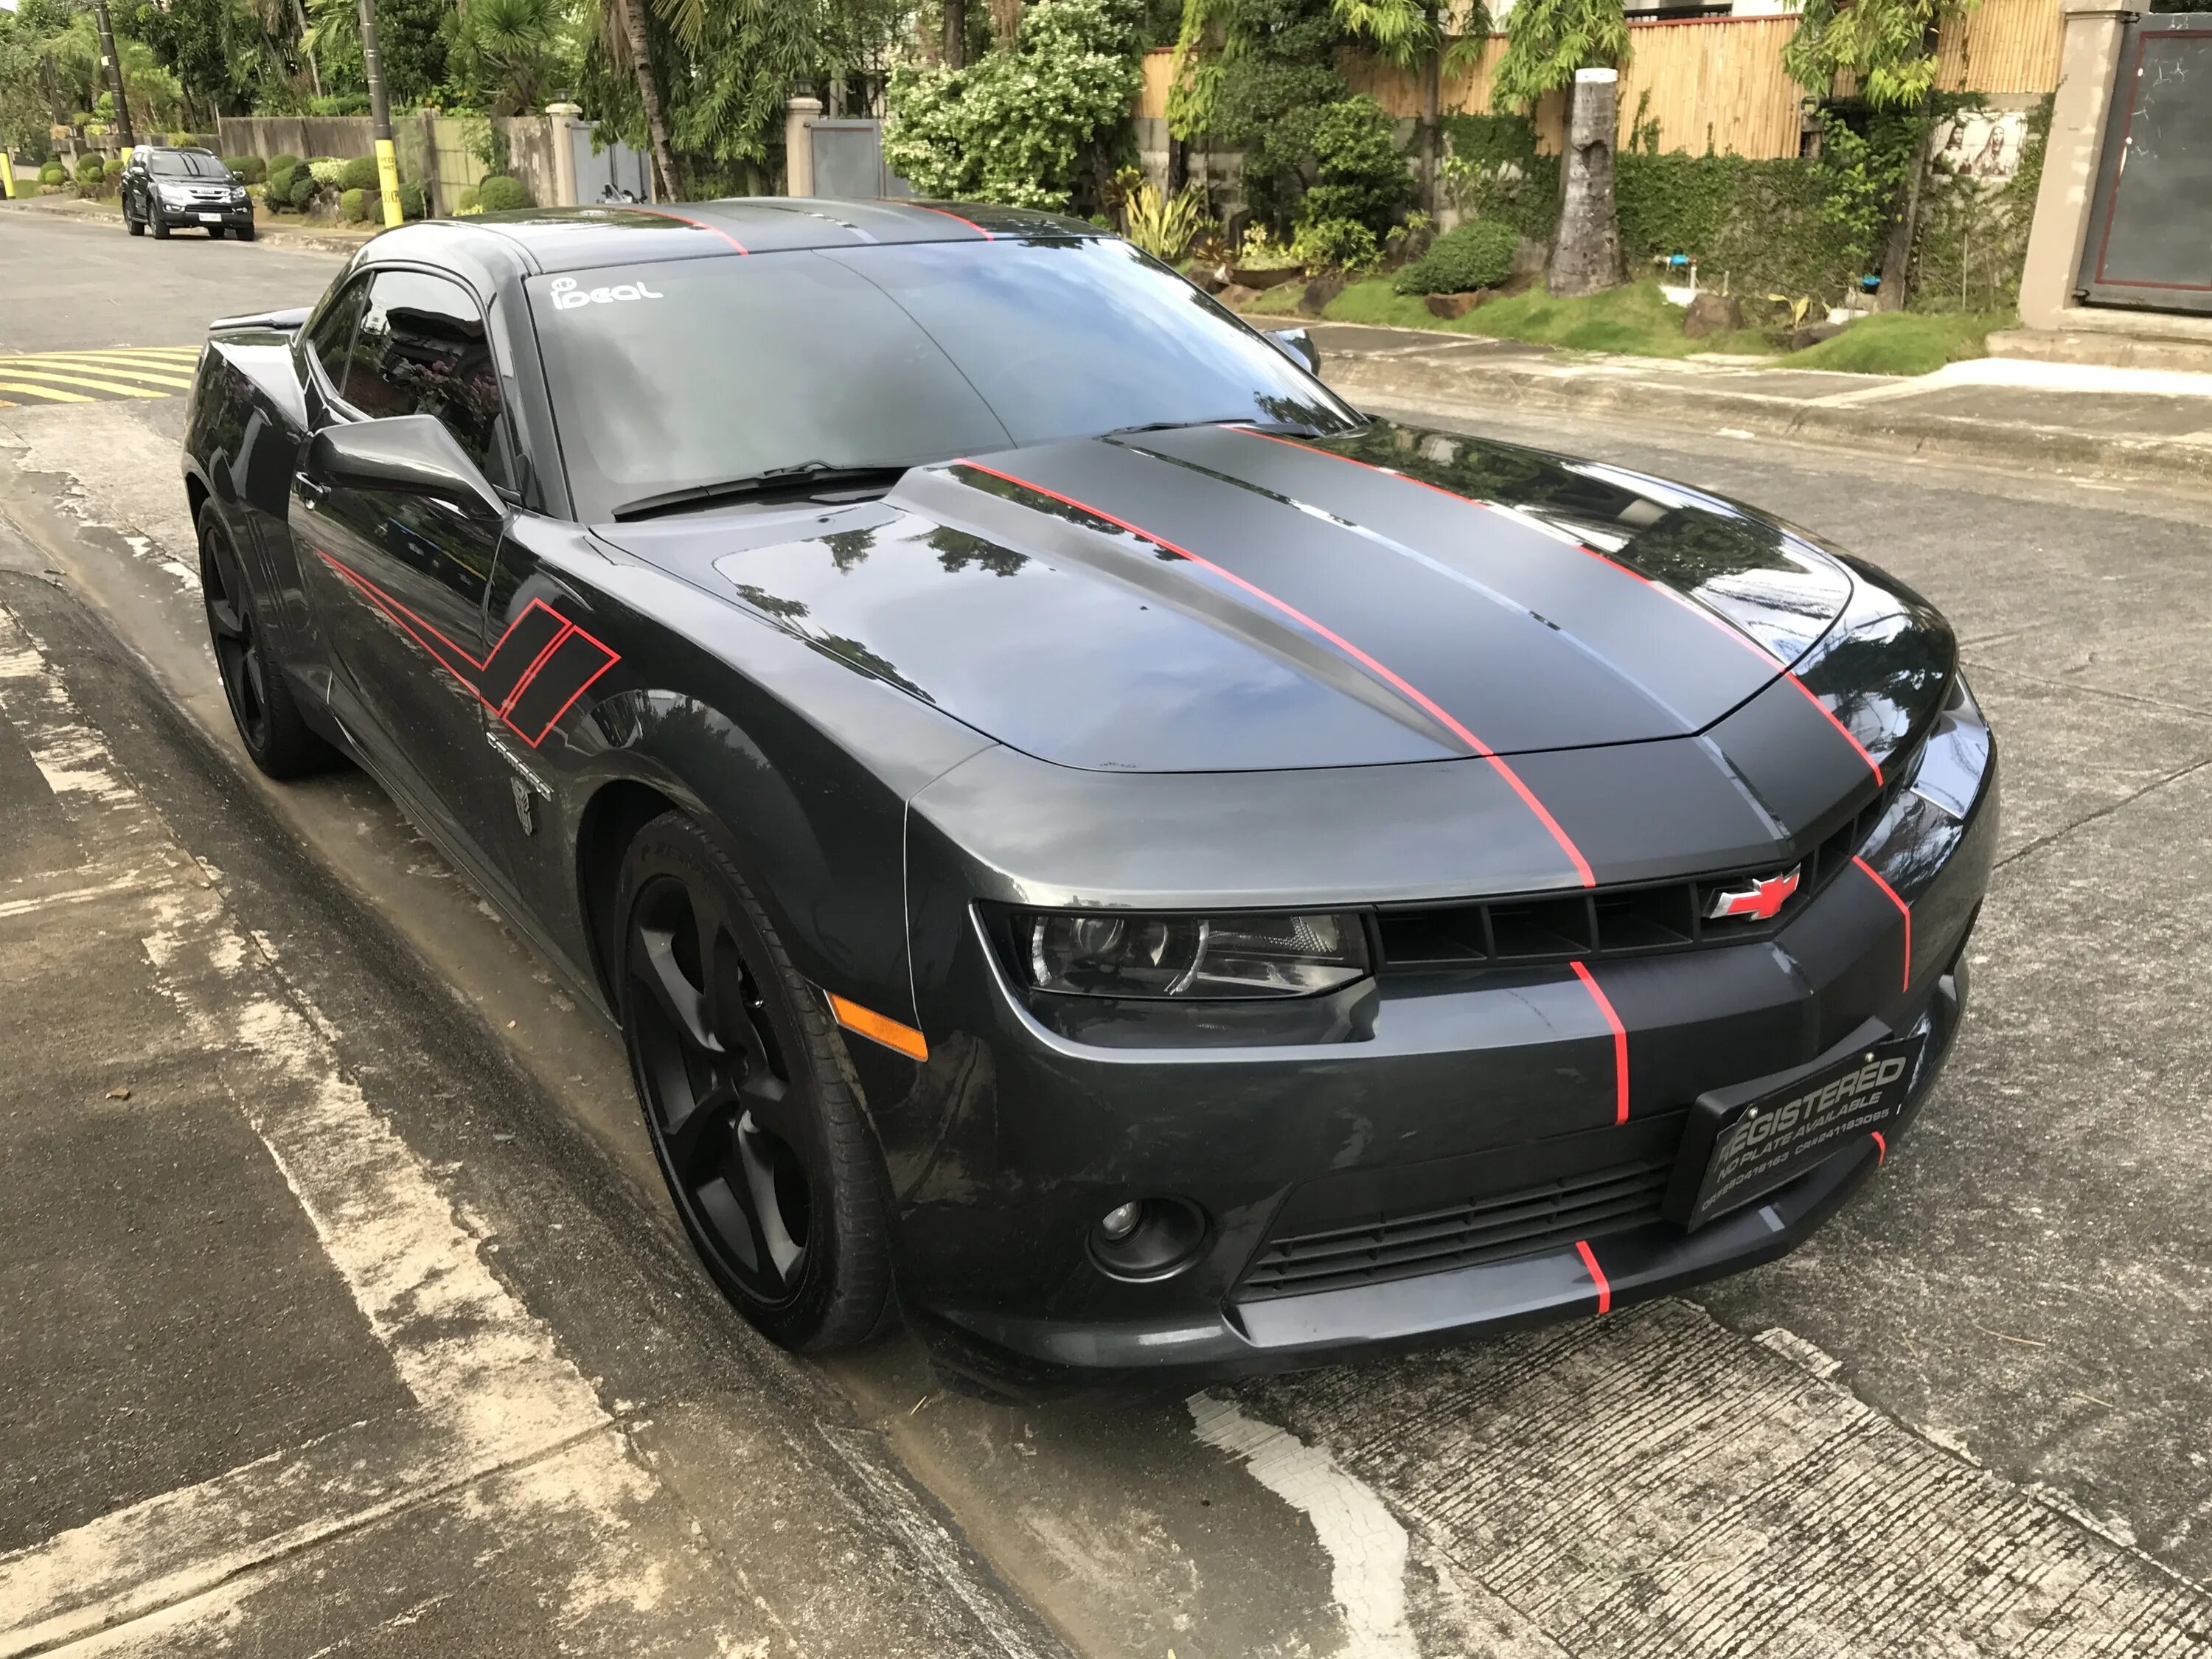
{"type": "Point", "coordinates": [699, 1141]}
{"type": "Point", "coordinates": [252, 662]}
{"type": "Point", "coordinates": [654, 965]}
{"type": "Point", "coordinates": [776, 1253]}
{"type": "Point", "coordinates": [223, 616]}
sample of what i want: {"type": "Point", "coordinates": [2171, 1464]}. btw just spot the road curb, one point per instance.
{"type": "Point", "coordinates": [266, 235]}
{"type": "Point", "coordinates": [1473, 389]}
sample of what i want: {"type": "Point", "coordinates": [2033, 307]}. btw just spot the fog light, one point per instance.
{"type": "Point", "coordinates": [1149, 1238]}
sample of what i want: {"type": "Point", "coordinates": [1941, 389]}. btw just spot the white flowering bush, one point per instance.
{"type": "Point", "coordinates": [1012, 127]}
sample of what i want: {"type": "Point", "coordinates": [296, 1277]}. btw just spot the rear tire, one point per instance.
{"type": "Point", "coordinates": [754, 1116]}
{"type": "Point", "coordinates": [269, 722]}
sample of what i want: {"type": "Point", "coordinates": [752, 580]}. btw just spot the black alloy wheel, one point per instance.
{"type": "Point", "coordinates": [753, 1112]}
{"type": "Point", "coordinates": [269, 721]}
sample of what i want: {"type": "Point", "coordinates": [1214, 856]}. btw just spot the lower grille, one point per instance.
{"type": "Point", "coordinates": [1525, 1222]}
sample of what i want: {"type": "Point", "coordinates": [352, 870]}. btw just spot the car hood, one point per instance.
{"type": "Point", "coordinates": [1215, 599]}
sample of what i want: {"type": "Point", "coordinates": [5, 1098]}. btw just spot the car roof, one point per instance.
{"type": "Point", "coordinates": [584, 238]}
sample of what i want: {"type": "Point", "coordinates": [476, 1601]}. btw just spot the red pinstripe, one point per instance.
{"type": "Point", "coordinates": [1881, 1148]}
{"type": "Point", "coordinates": [1619, 1040]}
{"type": "Point", "coordinates": [1404, 687]}
{"type": "Point", "coordinates": [685, 218]}
{"type": "Point", "coordinates": [1704, 614]}
{"type": "Point", "coordinates": [943, 213]}
{"type": "Point", "coordinates": [1903, 909]}
{"type": "Point", "coordinates": [1597, 1275]}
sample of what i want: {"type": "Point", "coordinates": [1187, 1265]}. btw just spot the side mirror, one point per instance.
{"type": "Point", "coordinates": [404, 454]}
{"type": "Point", "coordinates": [236, 177]}
{"type": "Point", "coordinates": [1297, 344]}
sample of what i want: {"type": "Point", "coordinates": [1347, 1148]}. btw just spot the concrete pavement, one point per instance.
{"type": "Point", "coordinates": [2107, 423]}
{"type": "Point", "coordinates": [1966, 1419]}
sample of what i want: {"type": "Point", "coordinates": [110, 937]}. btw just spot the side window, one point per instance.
{"type": "Point", "coordinates": [332, 333]}
{"type": "Point", "coordinates": [421, 349]}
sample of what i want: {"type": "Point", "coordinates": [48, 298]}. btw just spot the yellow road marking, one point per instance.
{"type": "Point", "coordinates": [115, 366]}
{"type": "Point", "coordinates": [115, 387]}
{"type": "Point", "coordinates": [50, 393]}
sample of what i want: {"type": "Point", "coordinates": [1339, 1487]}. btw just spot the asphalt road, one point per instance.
{"type": "Point", "coordinates": [1967, 1419]}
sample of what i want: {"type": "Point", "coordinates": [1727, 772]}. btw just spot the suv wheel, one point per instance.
{"type": "Point", "coordinates": [135, 226]}
{"type": "Point", "coordinates": [160, 226]}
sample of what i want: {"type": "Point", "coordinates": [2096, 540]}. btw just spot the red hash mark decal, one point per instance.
{"type": "Point", "coordinates": [531, 677]}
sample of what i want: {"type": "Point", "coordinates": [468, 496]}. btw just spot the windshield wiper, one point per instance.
{"type": "Point", "coordinates": [1256, 423]}
{"type": "Point", "coordinates": [804, 478]}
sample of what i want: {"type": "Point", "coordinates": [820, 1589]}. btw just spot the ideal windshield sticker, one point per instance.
{"type": "Point", "coordinates": [568, 295]}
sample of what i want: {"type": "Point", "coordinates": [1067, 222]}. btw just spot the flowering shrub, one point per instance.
{"type": "Point", "coordinates": [1012, 127]}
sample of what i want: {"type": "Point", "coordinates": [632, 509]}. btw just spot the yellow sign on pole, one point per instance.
{"type": "Point", "coordinates": [388, 178]}
{"type": "Point", "coordinates": [8, 174]}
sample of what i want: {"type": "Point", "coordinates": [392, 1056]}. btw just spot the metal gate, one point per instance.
{"type": "Point", "coordinates": [847, 158]}
{"type": "Point", "coordinates": [2150, 229]}
{"type": "Point", "coordinates": [613, 174]}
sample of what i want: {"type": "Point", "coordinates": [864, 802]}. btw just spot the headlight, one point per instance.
{"type": "Point", "coordinates": [1112, 954]}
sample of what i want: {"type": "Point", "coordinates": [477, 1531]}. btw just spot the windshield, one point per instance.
{"type": "Point", "coordinates": [184, 164]}
{"type": "Point", "coordinates": [696, 371]}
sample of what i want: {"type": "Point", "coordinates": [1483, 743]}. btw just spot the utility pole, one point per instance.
{"type": "Point", "coordinates": [379, 109]}
{"type": "Point", "coordinates": [114, 63]}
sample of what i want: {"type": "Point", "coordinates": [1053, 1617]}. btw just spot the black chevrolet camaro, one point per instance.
{"type": "Point", "coordinates": [1095, 846]}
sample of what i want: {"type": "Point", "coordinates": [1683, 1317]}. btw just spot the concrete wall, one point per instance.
{"type": "Point", "coordinates": [432, 148]}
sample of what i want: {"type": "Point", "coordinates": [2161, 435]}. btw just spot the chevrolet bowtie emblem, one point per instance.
{"type": "Point", "coordinates": [1756, 900]}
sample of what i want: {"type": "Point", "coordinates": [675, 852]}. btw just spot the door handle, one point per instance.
{"type": "Point", "coordinates": [310, 490]}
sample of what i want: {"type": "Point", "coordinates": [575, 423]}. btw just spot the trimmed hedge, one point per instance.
{"type": "Point", "coordinates": [359, 173]}
{"type": "Point", "coordinates": [413, 204]}
{"type": "Point", "coordinates": [1477, 254]}
{"type": "Point", "coordinates": [327, 170]}
{"type": "Point", "coordinates": [276, 162]}
{"type": "Point", "coordinates": [53, 174]}
{"type": "Point", "coordinates": [279, 195]}
{"type": "Point", "coordinates": [89, 172]}
{"type": "Point", "coordinates": [353, 205]}
{"type": "Point", "coordinates": [500, 194]}
{"type": "Point", "coordinates": [251, 168]}
{"type": "Point", "coordinates": [302, 191]}
{"type": "Point", "coordinates": [468, 203]}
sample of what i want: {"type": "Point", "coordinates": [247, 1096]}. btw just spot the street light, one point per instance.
{"type": "Point", "coordinates": [379, 109]}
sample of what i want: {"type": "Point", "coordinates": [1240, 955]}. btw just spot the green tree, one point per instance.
{"type": "Point", "coordinates": [1028, 122]}
{"type": "Point", "coordinates": [509, 54]}
{"type": "Point", "coordinates": [1255, 76]}
{"type": "Point", "coordinates": [1888, 46]}
{"type": "Point", "coordinates": [413, 36]}
{"type": "Point", "coordinates": [1409, 33]}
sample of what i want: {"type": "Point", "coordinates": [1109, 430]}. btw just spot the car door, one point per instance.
{"type": "Point", "coordinates": [399, 579]}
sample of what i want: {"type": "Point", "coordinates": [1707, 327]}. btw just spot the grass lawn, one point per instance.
{"type": "Point", "coordinates": [1638, 320]}
{"type": "Point", "coordinates": [1906, 341]}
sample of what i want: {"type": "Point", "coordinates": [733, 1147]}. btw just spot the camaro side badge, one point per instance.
{"type": "Point", "coordinates": [1757, 902]}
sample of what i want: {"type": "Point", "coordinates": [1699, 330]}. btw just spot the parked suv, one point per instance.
{"type": "Point", "coordinates": [164, 186]}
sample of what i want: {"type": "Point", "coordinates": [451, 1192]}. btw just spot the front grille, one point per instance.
{"type": "Point", "coordinates": [1608, 921]}
{"type": "Point", "coordinates": [1495, 1228]}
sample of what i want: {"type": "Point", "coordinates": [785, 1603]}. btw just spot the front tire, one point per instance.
{"type": "Point", "coordinates": [753, 1115]}
{"type": "Point", "coordinates": [135, 226]}
{"type": "Point", "coordinates": [269, 722]}
{"type": "Point", "coordinates": [246, 233]}
{"type": "Point", "coordinates": [160, 224]}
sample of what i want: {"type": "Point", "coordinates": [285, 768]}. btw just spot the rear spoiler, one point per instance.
{"type": "Point", "coordinates": [289, 322]}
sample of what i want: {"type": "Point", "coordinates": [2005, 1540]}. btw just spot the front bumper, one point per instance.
{"type": "Point", "coordinates": [1015, 1138]}
{"type": "Point", "coordinates": [213, 216]}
